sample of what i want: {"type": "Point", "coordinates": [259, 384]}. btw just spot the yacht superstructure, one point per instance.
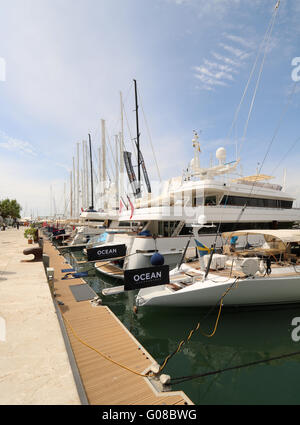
{"type": "Point", "coordinates": [217, 199]}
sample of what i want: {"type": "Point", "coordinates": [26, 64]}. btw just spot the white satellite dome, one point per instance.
{"type": "Point", "coordinates": [221, 155]}
{"type": "Point", "coordinates": [202, 219]}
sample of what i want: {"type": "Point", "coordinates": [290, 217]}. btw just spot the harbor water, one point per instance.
{"type": "Point", "coordinates": [243, 336]}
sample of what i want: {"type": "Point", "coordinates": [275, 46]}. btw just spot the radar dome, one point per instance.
{"type": "Point", "coordinates": [202, 219]}
{"type": "Point", "coordinates": [221, 155]}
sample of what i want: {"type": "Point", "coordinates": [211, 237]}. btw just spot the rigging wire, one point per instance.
{"type": "Point", "coordinates": [180, 380]}
{"type": "Point", "coordinates": [266, 41]}
{"type": "Point", "coordinates": [268, 36]}
{"type": "Point", "coordinates": [259, 77]}
{"type": "Point", "coordinates": [285, 155]}
{"type": "Point", "coordinates": [150, 138]}
{"type": "Point", "coordinates": [130, 134]}
{"type": "Point", "coordinates": [249, 80]}
{"type": "Point", "coordinates": [267, 151]}
{"type": "Point", "coordinates": [278, 127]}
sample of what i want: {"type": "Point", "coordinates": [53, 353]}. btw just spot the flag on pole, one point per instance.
{"type": "Point", "coordinates": [121, 206]}
{"type": "Point", "coordinates": [202, 249]}
{"type": "Point", "coordinates": [131, 206]}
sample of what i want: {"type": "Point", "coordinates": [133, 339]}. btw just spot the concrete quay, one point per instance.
{"type": "Point", "coordinates": [34, 365]}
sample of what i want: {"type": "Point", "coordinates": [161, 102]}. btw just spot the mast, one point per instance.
{"type": "Point", "coordinates": [71, 195]}
{"type": "Point", "coordinates": [137, 139]}
{"type": "Point", "coordinates": [103, 162]}
{"type": "Point", "coordinates": [82, 189]}
{"type": "Point", "coordinates": [87, 191]}
{"type": "Point", "coordinates": [74, 190]}
{"type": "Point", "coordinates": [65, 200]}
{"type": "Point", "coordinates": [92, 185]}
{"type": "Point", "coordinates": [78, 185]}
{"type": "Point", "coordinates": [117, 168]}
{"type": "Point", "coordinates": [121, 137]}
{"type": "Point", "coordinates": [99, 178]}
{"type": "Point", "coordinates": [284, 179]}
{"type": "Point", "coordinates": [50, 200]}
{"type": "Point", "coordinates": [83, 178]}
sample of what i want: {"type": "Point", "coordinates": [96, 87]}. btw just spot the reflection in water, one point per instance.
{"type": "Point", "coordinates": [242, 336]}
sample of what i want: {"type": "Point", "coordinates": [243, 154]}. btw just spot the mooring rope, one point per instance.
{"type": "Point", "coordinates": [198, 328]}
{"type": "Point", "coordinates": [102, 354]}
{"type": "Point", "coordinates": [180, 380]}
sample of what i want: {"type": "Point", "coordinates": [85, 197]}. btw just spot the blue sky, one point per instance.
{"type": "Point", "coordinates": [67, 60]}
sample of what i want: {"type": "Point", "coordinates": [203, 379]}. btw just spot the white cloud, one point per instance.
{"type": "Point", "coordinates": [238, 53]}
{"type": "Point", "coordinates": [221, 67]}
{"type": "Point", "coordinates": [248, 44]}
{"type": "Point", "coordinates": [16, 145]}
{"type": "Point", "coordinates": [219, 73]}
{"type": "Point", "coordinates": [226, 59]}
{"type": "Point", "coordinates": [208, 82]}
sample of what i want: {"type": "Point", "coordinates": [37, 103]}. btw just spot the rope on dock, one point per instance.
{"type": "Point", "coordinates": [102, 354]}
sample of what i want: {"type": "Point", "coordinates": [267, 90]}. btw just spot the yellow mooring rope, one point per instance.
{"type": "Point", "coordinates": [198, 328]}
{"type": "Point", "coordinates": [169, 356]}
{"type": "Point", "coordinates": [100, 353]}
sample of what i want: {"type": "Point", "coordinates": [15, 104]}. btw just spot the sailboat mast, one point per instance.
{"type": "Point", "coordinates": [121, 138]}
{"type": "Point", "coordinates": [137, 138]}
{"type": "Point", "coordinates": [74, 190]}
{"type": "Point", "coordinates": [71, 195]}
{"type": "Point", "coordinates": [103, 185]}
{"type": "Point", "coordinates": [117, 168]}
{"type": "Point", "coordinates": [92, 185]}
{"type": "Point", "coordinates": [83, 205]}
{"type": "Point", "coordinates": [78, 186]}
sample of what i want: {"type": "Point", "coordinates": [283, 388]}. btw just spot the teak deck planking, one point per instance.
{"type": "Point", "coordinates": [106, 383]}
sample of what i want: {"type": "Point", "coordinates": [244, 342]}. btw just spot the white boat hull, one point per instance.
{"type": "Point", "coordinates": [246, 292]}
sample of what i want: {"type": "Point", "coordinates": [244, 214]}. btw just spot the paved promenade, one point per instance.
{"type": "Point", "coordinates": [34, 366]}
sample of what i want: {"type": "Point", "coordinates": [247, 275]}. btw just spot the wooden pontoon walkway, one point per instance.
{"type": "Point", "coordinates": [106, 383]}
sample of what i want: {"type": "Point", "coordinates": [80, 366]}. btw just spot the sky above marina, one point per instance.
{"type": "Point", "coordinates": [64, 62]}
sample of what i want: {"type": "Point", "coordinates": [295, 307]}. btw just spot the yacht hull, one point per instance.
{"type": "Point", "coordinates": [246, 292]}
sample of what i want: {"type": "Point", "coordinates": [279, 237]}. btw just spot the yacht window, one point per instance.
{"type": "Point", "coordinates": [256, 202]}
{"type": "Point", "coordinates": [210, 200]}
{"type": "Point", "coordinates": [186, 230]}
{"type": "Point", "coordinates": [199, 201]}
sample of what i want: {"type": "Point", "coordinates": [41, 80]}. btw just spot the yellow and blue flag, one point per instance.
{"type": "Point", "coordinates": [202, 249]}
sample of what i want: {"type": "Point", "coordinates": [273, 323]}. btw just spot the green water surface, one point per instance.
{"type": "Point", "coordinates": [242, 336]}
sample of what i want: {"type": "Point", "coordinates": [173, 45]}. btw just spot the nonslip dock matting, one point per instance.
{"type": "Point", "coordinates": [82, 292]}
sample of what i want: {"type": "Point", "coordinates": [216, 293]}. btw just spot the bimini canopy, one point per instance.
{"type": "Point", "coordinates": [284, 235]}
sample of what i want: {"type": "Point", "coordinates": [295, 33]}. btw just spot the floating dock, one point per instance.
{"type": "Point", "coordinates": [94, 332]}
